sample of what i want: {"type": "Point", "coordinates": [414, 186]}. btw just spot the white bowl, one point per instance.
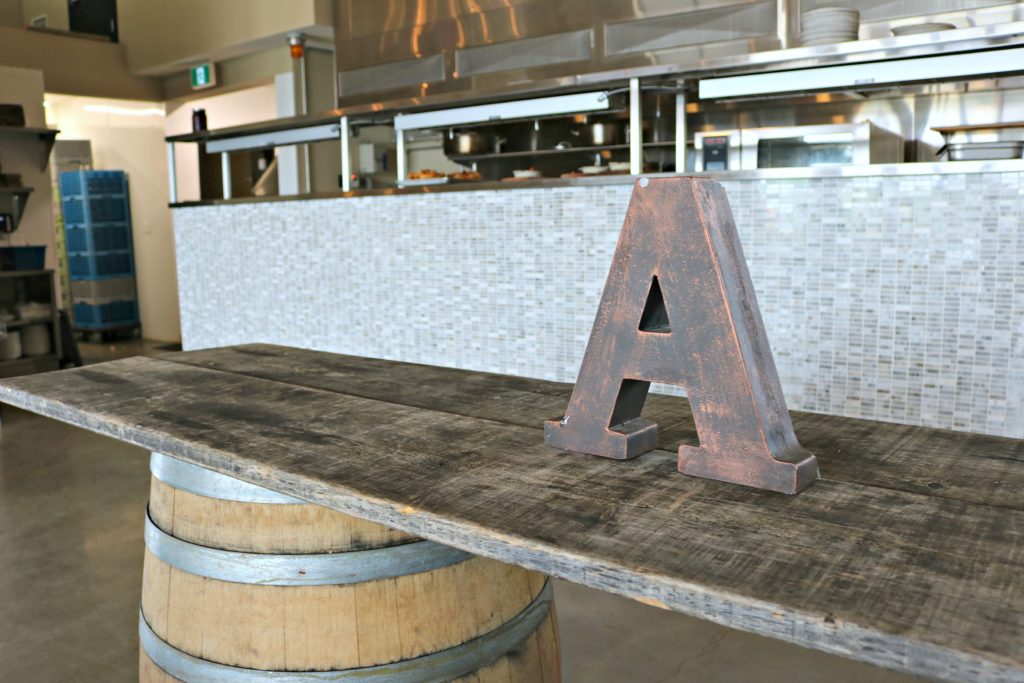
{"type": "Point", "coordinates": [618, 165]}
{"type": "Point", "coordinates": [526, 173]}
{"type": "Point", "coordinates": [593, 170]}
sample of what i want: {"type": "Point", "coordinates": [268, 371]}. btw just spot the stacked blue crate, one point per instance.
{"type": "Point", "coordinates": [101, 263]}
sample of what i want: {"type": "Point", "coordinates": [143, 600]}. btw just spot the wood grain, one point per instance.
{"type": "Point", "coordinates": [327, 627]}
{"type": "Point", "coordinates": [259, 528]}
{"type": "Point", "coordinates": [908, 554]}
{"type": "Point", "coordinates": [932, 462]}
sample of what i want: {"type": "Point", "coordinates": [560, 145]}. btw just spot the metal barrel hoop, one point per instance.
{"type": "Point", "coordinates": [205, 482]}
{"type": "Point", "coordinates": [320, 569]}
{"type": "Point", "coordinates": [439, 666]}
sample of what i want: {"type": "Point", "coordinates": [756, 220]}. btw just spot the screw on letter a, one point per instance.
{"type": "Point", "coordinates": [679, 308]}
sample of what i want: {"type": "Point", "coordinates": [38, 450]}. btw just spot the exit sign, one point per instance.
{"type": "Point", "coordinates": [203, 76]}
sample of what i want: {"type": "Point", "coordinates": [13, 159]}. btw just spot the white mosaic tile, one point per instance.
{"type": "Point", "coordinates": [893, 298]}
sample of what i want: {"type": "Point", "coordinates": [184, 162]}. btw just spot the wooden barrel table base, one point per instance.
{"type": "Point", "coordinates": [225, 599]}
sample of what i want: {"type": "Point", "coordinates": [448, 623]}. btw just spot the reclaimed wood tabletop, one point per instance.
{"type": "Point", "coordinates": [908, 553]}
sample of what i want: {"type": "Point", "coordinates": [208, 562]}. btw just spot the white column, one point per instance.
{"type": "Point", "coordinates": [787, 23]}
{"type": "Point", "coordinates": [680, 132]}
{"type": "Point", "coordinates": [346, 160]}
{"type": "Point", "coordinates": [172, 177]}
{"type": "Point", "coordinates": [400, 155]}
{"type": "Point", "coordinates": [636, 132]}
{"type": "Point", "coordinates": [225, 174]}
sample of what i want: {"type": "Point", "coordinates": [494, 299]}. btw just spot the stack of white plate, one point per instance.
{"type": "Point", "coordinates": [35, 340]}
{"type": "Point", "coordinates": [10, 345]}
{"type": "Point", "coordinates": [827, 25]}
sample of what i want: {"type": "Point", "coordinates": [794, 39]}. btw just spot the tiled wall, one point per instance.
{"type": "Point", "coordinates": [896, 298]}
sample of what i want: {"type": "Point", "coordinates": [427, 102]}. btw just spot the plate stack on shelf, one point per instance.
{"type": "Point", "coordinates": [828, 25]}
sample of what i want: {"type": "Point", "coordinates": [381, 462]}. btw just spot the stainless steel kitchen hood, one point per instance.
{"type": "Point", "coordinates": [868, 74]}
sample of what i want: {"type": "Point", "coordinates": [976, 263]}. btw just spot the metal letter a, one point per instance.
{"type": "Point", "coordinates": [679, 308]}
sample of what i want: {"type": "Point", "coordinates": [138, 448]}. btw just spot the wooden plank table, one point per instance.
{"type": "Point", "coordinates": [908, 554]}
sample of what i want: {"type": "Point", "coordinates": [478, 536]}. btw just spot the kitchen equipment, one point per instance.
{"type": "Point", "coordinates": [601, 133]}
{"type": "Point", "coordinates": [10, 346]}
{"type": "Point", "coordinates": [659, 129]}
{"type": "Point", "coordinates": [841, 144]}
{"type": "Point", "coordinates": [35, 340]}
{"type": "Point", "coordinates": [533, 139]}
{"type": "Point", "coordinates": [982, 151]}
{"type": "Point", "coordinates": [827, 25]}
{"type": "Point", "coordinates": [33, 311]}
{"type": "Point", "coordinates": [12, 115]}
{"type": "Point", "coordinates": [914, 29]}
{"type": "Point", "coordinates": [717, 150]}
{"type": "Point", "coordinates": [986, 141]}
{"type": "Point", "coordinates": [13, 196]}
{"type": "Point", "coordinates": [198, 120]}
{"type": "Point", "coordinates": [463, 143]}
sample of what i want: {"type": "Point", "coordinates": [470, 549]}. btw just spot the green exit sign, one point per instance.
{"type": "Point", "coordinates": [203, 76]}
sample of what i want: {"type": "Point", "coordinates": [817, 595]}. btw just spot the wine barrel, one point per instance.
{"type": "Point", "coordinates": [242, 584]}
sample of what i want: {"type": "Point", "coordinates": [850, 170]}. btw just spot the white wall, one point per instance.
{"type": "Point", "coordinates": [231, 109]}
{"type": "Point", "coordinates": [129, 136]}
{"type": "Point", "coordinates": [20, 154]}
{"type": "Point", "coordinates": [56, 12]}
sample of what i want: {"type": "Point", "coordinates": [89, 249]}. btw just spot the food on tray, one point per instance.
{"type": "Point", "coordinates": [523, 173]}
{"type": "Point", "coordinates": [425, 174]}
{"type": "Point", "coordinates": [464, 175]}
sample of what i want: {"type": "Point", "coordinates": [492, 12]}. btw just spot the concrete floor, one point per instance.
{"type": "Point", "coordinates": [71, 506]}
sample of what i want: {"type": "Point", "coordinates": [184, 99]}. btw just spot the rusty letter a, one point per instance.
{"type": "Point", "coordinates": [679, 308]}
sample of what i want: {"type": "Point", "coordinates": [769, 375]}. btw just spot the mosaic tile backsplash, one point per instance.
{"type": "Point", "coordinates": [892, 298]}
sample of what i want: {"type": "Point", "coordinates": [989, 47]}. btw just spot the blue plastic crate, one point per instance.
{"type": "Point", "coordinates": [104, 237]}
{"type": "Point", "coordinates": [106, 315]}
{"type": "Point", "coordinates": [77, 183]}
{"type": "Point", "coordinates": [101, 209]}
{"type": "Point", "coordinates": [91, 265]}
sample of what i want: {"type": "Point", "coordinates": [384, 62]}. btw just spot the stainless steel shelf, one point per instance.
{"type": "Point", "coordinates": [927, 168]}
{"type": "Point", "coordinates": [550, 152]}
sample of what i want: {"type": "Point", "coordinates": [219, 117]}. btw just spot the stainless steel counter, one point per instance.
{"type": "Point", "coordinates": [936, 168]}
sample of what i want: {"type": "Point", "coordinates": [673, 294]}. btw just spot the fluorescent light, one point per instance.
{"type": "Point", "coordinates": [122, 111]}
{"type": "Point", "coordinates": [544, 106]}
{"type": "Point", "coordinates": [866, 74]}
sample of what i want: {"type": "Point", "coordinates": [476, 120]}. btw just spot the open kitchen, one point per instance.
{"type": "Point", "coordinates": [512, 341]}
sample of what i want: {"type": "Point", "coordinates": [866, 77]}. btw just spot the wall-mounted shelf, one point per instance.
{"type": "Point", "coordinates": [45, 136]}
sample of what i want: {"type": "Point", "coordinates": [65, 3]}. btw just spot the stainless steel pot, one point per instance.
{"type": "Point", "coordinates": [602, 133]}
{"type": "Point", "coordinates": [465, 142]}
